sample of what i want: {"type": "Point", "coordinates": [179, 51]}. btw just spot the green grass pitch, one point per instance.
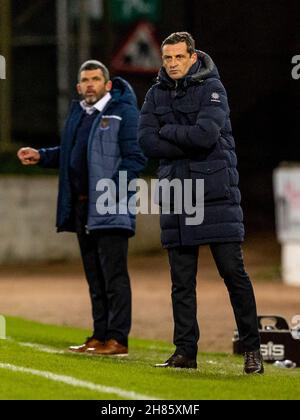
{"type": "Point", "coordinates": [34, 365]}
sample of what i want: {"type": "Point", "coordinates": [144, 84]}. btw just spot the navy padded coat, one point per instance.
{"type": "Point", "coordinates": [186, 124]}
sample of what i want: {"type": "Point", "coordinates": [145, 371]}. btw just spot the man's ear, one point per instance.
{"type": "Point", "coordinates": [195, 58]}
{"type": "Point", "coordinates": [79, 89]}
{"type": "Point", "coordinates": [109, 86]}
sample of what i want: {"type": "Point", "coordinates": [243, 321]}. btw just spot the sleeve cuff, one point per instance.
{"type": "Point", "coordinates": [42, 154]}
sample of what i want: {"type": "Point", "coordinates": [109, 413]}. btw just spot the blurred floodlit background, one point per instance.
{"type": "Point", "coordinates": [44, 42]}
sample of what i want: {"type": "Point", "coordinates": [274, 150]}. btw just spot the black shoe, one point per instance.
{"type": "Point", "coordinates": [179, 362]}
{"type": "Point", "coordinates": [254, 363]}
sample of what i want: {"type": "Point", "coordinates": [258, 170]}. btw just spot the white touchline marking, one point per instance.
{"type": "Point", "coordinates": [69, 380]}
{"type": "Point", "coordinates": [39, 347]}
{"type": "Point", "coordinates": [42, 348]}
{"type": "Point", "coordinates": [52, 350]}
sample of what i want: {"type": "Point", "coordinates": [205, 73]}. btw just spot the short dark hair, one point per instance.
{"type": "Point", "coordinates": [178, 37]}
{"type": "Point", "coordinates": [94, 65]}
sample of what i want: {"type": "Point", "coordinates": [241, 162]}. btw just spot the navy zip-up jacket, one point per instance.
{"type": "Point", "coordinates": [112, 147]}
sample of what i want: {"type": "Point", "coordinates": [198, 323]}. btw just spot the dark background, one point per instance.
{"type": "Point", "coordinates": [252, 43]}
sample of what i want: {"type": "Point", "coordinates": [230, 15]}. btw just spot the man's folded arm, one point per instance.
{"type": "Point", "coordinates": [210, 121]}
{"type": "Point", "coordinates": [152, 144]}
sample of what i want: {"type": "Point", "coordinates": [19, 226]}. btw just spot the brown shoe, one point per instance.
{"type": "Point", "coordinates": [91, 342]}
{"type": "Point", "coordinates": [110, 348]}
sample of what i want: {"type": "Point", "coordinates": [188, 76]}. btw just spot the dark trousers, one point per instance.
{"type": "Point", "coordinates": [105, 255]}
{"type": "Point", "coordinates": [230, 264]}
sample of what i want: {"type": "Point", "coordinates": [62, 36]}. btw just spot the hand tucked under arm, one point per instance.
{"type": "Point", "coordinates": [210, 121]}
{"type": "Point", "coordinates": [151, 143]}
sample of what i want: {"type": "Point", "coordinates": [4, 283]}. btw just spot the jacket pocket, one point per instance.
{"type": "Point", "coordinates": [162, 197]}
{"type": "Point", "coordinates": [165, 172]}
{"type": "Point", "coordinates": [216, 179]}
{"type": "Point", "coordinates": [108, 136]}
{"type": "Point", "coordinates": [165, 115]}
{"type": "Point", "coordinates": [190, 108]}
{"type": "Point", "coordinates": [187, 113]}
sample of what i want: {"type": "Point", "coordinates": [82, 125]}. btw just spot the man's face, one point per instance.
{"type": "Point", "coordinates": [92, 86]}
{"type": "Point", "coordinates": [177, 60]}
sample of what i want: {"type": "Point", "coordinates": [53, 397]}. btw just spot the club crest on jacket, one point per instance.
{"type": "Point", "coordinates": [104, 125]}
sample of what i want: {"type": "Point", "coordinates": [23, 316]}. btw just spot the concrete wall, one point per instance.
{"type": "Point", "coordinates": [27, 224]}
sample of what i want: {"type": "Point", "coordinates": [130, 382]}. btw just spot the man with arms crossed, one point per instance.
{"type": "Point", "coordinates": [185, 123]}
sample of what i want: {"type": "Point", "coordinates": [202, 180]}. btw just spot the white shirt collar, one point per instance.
{"type": "Point", "coordinates": [99, 106]}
